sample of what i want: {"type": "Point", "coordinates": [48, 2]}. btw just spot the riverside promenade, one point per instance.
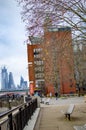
{"type": "Point", "coordinates": [49, 117]}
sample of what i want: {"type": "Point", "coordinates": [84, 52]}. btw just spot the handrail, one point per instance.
{"type": "Point", "coordinates": [12, 110]}
{"type": "Point", "coordinates": [25, 110]}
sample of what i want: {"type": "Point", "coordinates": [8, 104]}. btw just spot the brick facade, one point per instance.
{"type": "Point", "coordinates": [60, 40]}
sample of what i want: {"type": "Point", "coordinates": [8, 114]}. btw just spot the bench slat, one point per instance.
{"type": "Point", "coordinates": [83, 127]}
{"type": "Point", "coordinates": [69, 111]}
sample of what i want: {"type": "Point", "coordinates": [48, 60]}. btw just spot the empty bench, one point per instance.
{"type": "Point", "coordinates": [45, 101]}
{"type": "Point", "coordinates": [83, 127]}
{"type": "Point", "coordinates": [69, 111]}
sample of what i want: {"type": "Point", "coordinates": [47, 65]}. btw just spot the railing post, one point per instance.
{"type": "Point", "coordinates": [29, 112]}
{"type": "Point", "coordinates": [20, 119]}
{"type": "Point", "coordinates": [25, 114]}
{"type": "Point", "coordinates": [10, 121]}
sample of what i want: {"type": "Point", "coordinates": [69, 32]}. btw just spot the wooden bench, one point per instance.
{"type": "Point", "coordinates": [47, 101]}
{"type": "Point", "coordinates": [83, 127]}
{"type": "Point", "coordinates": [69, 111]}
{"type": "Point", "coordinates": [43, 100]}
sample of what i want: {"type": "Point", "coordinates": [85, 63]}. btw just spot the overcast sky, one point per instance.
{"type": "Point", "coordinates": [13, 51]}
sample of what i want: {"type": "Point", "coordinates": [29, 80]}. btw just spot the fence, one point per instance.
{"type": "Point", "coordinates": [17, 118]}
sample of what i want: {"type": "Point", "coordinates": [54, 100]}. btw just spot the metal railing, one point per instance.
{"type": "Point", "coordinates": [17, 118]}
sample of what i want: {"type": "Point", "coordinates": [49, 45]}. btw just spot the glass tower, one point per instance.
{"type": "Point", "coordinates": [11, 84]}
{"type": "Point", "coordinates": [4, 79]}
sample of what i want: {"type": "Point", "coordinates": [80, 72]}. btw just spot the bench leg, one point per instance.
{"type": "Point", "coordinates": [47, 103]}
{"type": "Point", "coordinates": [69, 117]}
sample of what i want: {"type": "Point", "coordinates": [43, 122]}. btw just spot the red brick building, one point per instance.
{"type": "Point", "coordinates": [50, 61]}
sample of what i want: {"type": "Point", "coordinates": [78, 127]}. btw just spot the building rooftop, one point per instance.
{"type": "Point", "coordinates": [35, 40]}
{"type": "Point", "coordinates": [54, 28]}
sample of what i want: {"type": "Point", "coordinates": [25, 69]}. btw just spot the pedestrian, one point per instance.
{"type": "Point", "coordinates": [56, 94]}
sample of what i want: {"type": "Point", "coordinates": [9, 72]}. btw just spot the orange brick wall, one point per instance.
{"type": "Point", "coordinates": [66, 65]}
{"type": "Point", "coordinates": [30, 56]}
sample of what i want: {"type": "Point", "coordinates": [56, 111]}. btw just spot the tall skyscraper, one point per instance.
{"type": "Point", "coordinates": [23, 84]}
{"type": "Point", "coordinates": [21, 81]}
{"type": "Point", "coordinates": [4, 79]}
{"type": "Point", "coordinates": [7, 81]}
{"type": "Point", "coordinates": [11, 84]}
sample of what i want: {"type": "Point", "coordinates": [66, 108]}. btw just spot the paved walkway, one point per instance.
{"type": "Point", "coordinates": [49, 117]}
{"type": "Point", "coordinates": [65, 101]}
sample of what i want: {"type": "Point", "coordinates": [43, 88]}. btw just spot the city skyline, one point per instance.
{"type": "Point", "coordinates": [8, 83]}
{"type": "Point", "coordinates": [13, 51]}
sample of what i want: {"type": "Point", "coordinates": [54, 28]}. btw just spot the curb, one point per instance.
{"type": "Point", "coordinates": [31, 123]}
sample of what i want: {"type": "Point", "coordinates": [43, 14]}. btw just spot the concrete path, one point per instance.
{"type": "Point", "coordinates": [50, 117]}
{"type": "Point", "coordinates": [65, 101]}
